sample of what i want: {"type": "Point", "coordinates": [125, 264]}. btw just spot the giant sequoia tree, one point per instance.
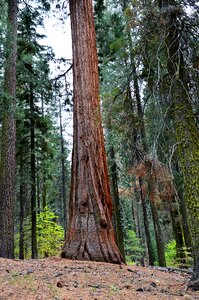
{"type": "Point", "coordinates": [90, 231]}
{"type": "Point", "coordinates": [7, 164]}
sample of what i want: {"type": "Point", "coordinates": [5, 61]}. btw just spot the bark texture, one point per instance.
{"type": "Point", "coordinates": [8, 160]}
{"type": "Point", "coordinates": [90, 233]}
{"type": "Point", "coordinates": [185, 125]}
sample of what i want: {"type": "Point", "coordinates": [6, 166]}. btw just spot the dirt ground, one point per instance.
{"type": "Point", "coordinates": [60, 279]}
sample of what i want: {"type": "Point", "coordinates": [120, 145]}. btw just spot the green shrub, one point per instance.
{"type": "Point", "coordinates": [50, 235]}
{"type": "Point", "coordinates": [171, 258]}
{"type": "Point", "coordinates": [170, 254]}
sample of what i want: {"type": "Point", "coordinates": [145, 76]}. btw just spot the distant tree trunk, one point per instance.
{"type": "Point", "coordinates": [44, 187]}
{"type": "Point", "coordinates": [44, 192]}
{"type": "Point", "coordinates": [146, 226]}
{"type": "Point", "coordinates": [38, 192]}
{"type": "Point", "coordinates": [158, 231]}
{"type": "Point", "coordinates": [177, 230]}
{"type": "Point", "coordinates": [158, 235]}
{"type": "Point", "coordinates": [113, 175]}
{"type": "Point", "coordinates": [116, 201]}
{"type": "Point", "coordinates": [139, 232]}
{"type": "Point", "coordinates": [135, 157]}
{"type": "Point", "coordinates": [185, 226]}
{"type": "Point", "coordinates": [183, 212]}
{"type": "Point", "coordinates": [33, 177]}
{"type": "Point", "coordinates": [135, 214]}
{"type": "Point", "coordinates": [133, 211]}
{"type": "Point", "coordinates": [138, 104]}
{"type": "Point", "coordinates": [90, 233]}
{"type": "Point", "coordinates": [139, 154]}
{"type": "Point", "coordinates": [63, 168]}
{"type": "Point", "coordinates": [22, 208]}
{"type": "Point", "coordinates": [8, 159]}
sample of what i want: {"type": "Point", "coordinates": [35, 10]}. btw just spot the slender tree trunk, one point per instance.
{"type": "Point", "coordinates": [33, 177]}
{"type": "Point", "coordinates": [44, 187]}
{"type": "Point", "coordinates": [183, 212]}
{"type": "Point", "coordinates": [8, 159]}
{"type": "Point", "coordinates": [22, 208]}
{"type": "Point", "coordinates": [133, 211]}
{"type": "Point", "coordinates": [44, 192]}
{"type": "Point", "coordinates": [177, 230]}
{"type": "Point", "coordinates": [90, 233]}
{"type": "Point", "coordinates": [138, 102]}
{"type": "Point", "coordinates": [146, 226]}
{"type": "Point", "coordinates": [63, 168]}
{"type": "Point", "coordinates": [139, 155]}
{"type": "Point", "coordinates": [185, 226]}
{"type": "Point", "coordinates": [135, 214]}
{"type": "Point", "coordinates": [117, 223]}
{"type": "Point", "coordinates": [116, 201]}
{"type": "Point", "coordinates": [158, 235]}
{"type": "Point", "coordinates": [135, 158]}
{"type": "Point", "coordinates": [38, 193]}
{"type": "Point", "coordinates": [140, 233]}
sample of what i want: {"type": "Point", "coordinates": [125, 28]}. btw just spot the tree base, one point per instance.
{"type": "Point", "coordinates": [96, 247]}
{"type": "Point", "coordinates": [83, 258]}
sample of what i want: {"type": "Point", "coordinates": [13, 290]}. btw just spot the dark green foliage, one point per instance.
{"type": "Point", "coordinates": [133, 248]}
{"type": "Point", "coordinates": [34, 84]}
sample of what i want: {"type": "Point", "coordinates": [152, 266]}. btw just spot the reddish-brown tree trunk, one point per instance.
{"type": "Point", "coordinates": [90, 233]}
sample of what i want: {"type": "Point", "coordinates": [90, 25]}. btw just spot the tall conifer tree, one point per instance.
{"type": "Point", "coordinates": [8, 159]}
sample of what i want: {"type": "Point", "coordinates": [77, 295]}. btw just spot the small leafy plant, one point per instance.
{"type": "Point", "coordinates": [171, 258]}
{"type": "Point", "coordinates": [50, 235]}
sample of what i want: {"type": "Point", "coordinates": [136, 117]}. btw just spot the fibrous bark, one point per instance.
{"type": "Point", "coordinates": [185, 125]}
{"type": "Point", "coordinates": [90, 233]}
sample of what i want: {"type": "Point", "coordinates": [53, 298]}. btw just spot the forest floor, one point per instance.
{"type": "Point", "coordinates": [60, 279]}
